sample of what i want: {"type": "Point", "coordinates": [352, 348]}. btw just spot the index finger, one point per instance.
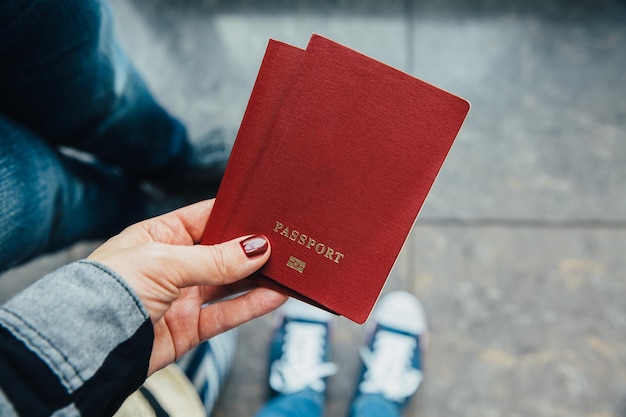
{"type": "Point", "coordinates": [184, 226]}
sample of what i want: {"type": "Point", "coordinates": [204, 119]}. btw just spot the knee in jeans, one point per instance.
{"type": "Point", "coordinates": [28, 190]}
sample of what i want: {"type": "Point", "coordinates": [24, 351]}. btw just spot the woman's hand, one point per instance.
{"type": "Point", "coordinates": [175, 279]}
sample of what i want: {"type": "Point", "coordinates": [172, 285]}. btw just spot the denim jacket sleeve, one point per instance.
{"type": "Point", "coordinates": [75, 343]}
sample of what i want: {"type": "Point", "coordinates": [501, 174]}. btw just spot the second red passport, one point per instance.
{"type": "Point", "coordinates": [334, 158]}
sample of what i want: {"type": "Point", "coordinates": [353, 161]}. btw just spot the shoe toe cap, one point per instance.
{"type": "Point", "coordinates": [402, 311]}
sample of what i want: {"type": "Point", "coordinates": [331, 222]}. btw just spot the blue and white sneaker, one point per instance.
{"type": "Point", "coordinates": [392, 359]}
{"type": "Point", "coordinates": [208, 365]}
{"type": "Point", "coordinates": [300, 350]}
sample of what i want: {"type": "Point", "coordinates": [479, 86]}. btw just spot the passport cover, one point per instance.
{"type": "Point", "coordinates": [334, 158]}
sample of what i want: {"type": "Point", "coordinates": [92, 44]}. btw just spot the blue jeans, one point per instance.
{"type": "Point", "coordinates": [308, 403]}
{"type": "Point", "coordinates": [374, 405]}
{"type": "Point", "coordinates": [66, 83]}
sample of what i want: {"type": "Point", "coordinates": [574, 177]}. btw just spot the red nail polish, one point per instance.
{"type": "Point", "coordinates": [254, 246]}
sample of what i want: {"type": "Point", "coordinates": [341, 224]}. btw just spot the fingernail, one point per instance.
{"type": "Point", "coordinates": [254, 245]}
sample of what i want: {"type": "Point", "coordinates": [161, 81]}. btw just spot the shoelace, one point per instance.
{"type": "Point", "coordinates": [302, 363]}
{"type": "Point", "coordinates": [389, 371]}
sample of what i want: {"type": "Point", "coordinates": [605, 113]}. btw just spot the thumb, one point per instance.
{"type": "Point", "coordinates": [219, 264]}
{"type": "Point", "coordinates": [179, 266]}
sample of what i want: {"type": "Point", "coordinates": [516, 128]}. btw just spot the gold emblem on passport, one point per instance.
{"type": "Point", "coordinates": [295, 263]}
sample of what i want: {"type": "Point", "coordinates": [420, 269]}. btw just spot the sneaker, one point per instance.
{"type": "Point", "coordinates": [392, 360]}
{"type": "Point", "coordinates": [300, 349]}
{"type": "Point", "coordinates": [208, 365]}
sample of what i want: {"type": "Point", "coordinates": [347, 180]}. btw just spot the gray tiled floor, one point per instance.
{"type": "Point", "coordinates": [518, 253]}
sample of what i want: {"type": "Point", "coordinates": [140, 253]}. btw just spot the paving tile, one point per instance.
{"type": "Point", "coordinates": [545, 135]}
{"type": "Point", "coordinates": [18, 278]}
{"type": "Point", "coordinates": [523, 322]}
{"type": "Point", "coordinates": [202, 63]}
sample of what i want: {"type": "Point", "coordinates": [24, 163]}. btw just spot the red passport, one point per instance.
{"type": "Point", "coordinates": [334, 158]}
